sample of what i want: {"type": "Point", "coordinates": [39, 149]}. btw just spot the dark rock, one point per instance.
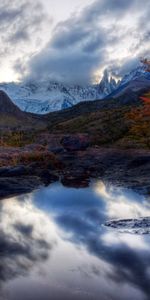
{"type": "Point", "coordinates": [139, 161]}
{"type": "Point", "coordinates": [59, 150]}
{"type": "Point", "coordinates": [98, 170]}
{"type": "Point", "coordinates": [4, 170]}
{"type": "Point", "coordinates": [47, 177]}
{"type": "Point", "coordinates": [15, 186]}
{"type": "Point", "coordinates": [13, 171]}
{"type": "Point", "coordinates": [35, 167]}
{"type": "Point", "coordinates": [76, 179]}
{"type": "Point", "coordinates": [75, 143]}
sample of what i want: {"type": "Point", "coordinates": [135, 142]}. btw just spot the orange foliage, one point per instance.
{"type": "Point", "coordinates": [146, 100]}
{"type": "Point", "coordinates": [139, 118]}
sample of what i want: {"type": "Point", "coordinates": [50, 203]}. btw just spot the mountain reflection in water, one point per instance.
{"type": "Point", "coordinates": [53, 245]}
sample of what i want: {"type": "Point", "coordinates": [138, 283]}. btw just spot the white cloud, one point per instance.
{"type": "Point", "coordinates": [102, 34]}
{"type": "Point", "coordinates": [105, 34]}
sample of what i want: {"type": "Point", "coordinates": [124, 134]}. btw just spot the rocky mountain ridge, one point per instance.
{"type": "Point", "coordinates": [47, 96]}
{"type": "Point", "coordinates": [44, 97]}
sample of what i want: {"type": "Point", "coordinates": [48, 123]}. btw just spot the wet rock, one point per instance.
{"type": "Point", "coordinates": [10, 186]}
{"type": "Point", "coordinates": [75, 143]}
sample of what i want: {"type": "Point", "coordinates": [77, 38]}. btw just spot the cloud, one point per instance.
{"type": "Point", "coordinates": [72, 67]}
{"type": "Point", "coordinates": [104, 34]}
{"type": "Point", "coordinates": [19, 20]}
{"type": "Point", "coordinates": [127, 65]}
{"type": "Point", "coordinates": [80, 213]}
{"type": "Point", "coordinates": [23, 241]}
{"type": "Point", "coordinates": [21, 25]}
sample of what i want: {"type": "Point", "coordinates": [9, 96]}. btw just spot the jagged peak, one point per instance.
{"type": "Point", "coordinates": [107, 84]}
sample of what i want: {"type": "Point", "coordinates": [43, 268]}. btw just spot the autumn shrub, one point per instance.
{"type": "Point", "coordinates": [16, 138]}
{"type": "Point", "coordinates": [139, 121]}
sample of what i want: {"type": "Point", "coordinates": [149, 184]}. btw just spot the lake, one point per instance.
{"type": "Point", "coordinates": [54, 245]}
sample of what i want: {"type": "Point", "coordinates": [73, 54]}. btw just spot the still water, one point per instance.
{"type": "Point", "coordinates": [53, 245]}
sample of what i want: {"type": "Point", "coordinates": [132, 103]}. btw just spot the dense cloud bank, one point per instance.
{"type": "Point", "coordinates": [112, 34]}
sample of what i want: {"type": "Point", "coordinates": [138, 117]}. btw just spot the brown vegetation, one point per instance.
{"type": "Point", "coordinates": [140, 121]}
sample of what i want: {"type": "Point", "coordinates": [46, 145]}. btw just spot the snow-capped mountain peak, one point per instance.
{"type": "Point", "coordinates": [46, 96]}
{"type": "Point", "coordinates": [139, 71]}
{"type": "Point", "coordinates": [107, 85]}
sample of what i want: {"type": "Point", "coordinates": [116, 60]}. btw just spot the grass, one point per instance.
{"type": "Point", "coordinates": [108, 127]}
{"type": "Point", "coordinates": [103, 127]}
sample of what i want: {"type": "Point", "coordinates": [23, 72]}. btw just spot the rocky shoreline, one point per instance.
{"type": "Point", "coordinates": [75, 168]}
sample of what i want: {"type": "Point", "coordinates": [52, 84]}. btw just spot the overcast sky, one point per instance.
{"type": "Point", "coordinates": [72, 40]}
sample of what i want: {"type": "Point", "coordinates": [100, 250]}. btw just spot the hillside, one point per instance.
{"type": "Point", "coordinates": [8, 107]}
{"type": "Point", "coordinates": [106, 121]}
{"type": "Point", "coordinates": [12, 118]}
{"type": "Point", "coordinates": [128, 98]}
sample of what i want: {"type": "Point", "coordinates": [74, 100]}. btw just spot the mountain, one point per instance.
{"type": "Point", "coordinates": [94, 117]}
{"type": "Point", "coordinates": [106, 85]}
{"type": "Point", "coordinates": [138, 72]}
{"type": "Point", "coordinates": [12, 117]}
{"type": "Point", "coordinates": [134, 81]}
{"type": "Point", "coordinates": [8, 107]}
{"type": "Point", "coordinates": [46, 96]}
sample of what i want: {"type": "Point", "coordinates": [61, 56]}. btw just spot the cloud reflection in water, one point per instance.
{"type": "Point", "coordinates": [88, 260]}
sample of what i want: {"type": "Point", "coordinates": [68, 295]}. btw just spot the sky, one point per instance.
{"type": "Point", "coordinates": [72, 41]}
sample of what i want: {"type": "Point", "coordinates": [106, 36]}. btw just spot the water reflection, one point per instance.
{"type": "Point", "coordinates": [53, 245]}
{"type": "Point", "coordinates": [23, 237]}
